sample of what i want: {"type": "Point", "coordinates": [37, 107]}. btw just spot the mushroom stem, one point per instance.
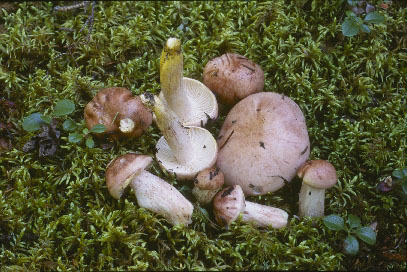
{"type": "Point", "coordinates": [264, 216]}
{"type": "Point", "coordinates": [177, 136]}
{"type": "Point", "coordinates": [158, 196]}
{"type": "Point", "coordinates": [171, 77]}
{"type": "Point", "coordinates": [311, 201]}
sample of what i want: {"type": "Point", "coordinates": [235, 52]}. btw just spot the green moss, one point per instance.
{"type": "Point", "coordinates": [56, 213]}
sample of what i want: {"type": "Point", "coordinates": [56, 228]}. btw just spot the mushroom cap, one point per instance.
{"type": "Point", "coordinates": [204, 153]}
{"type": "Point", "coordinates": [318, 174]}
{"type": "Point", "coordinates": [209, 179]}
{"type": "Point", "coordinates": [228, 204]}
{"type": "Point", "coordinates": [202, 104]}
{"type": "Point", "coordinates": [262, 143]}
{"type": "Point", "coordinates": [121, 170]}
{"type": "Point", "coordinates": [233, 77]}
{"type": "Point", "coordinates": [110, 106]}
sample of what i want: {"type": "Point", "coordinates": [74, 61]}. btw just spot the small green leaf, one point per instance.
{"type": "Point", "coordinates": [399, 174]}
{"type": "Point", "coordinates": [99, 128]}
{"type": "Point", "coordinates": [374, 18]}
{"type": "Point", "coordinates": [64, 107]}
{"type": "Point", "coordinates": [351, 245]}
{"type": "Point", "coordinates": [350, 13]}
{"type": "Point", "coordinates": [33, 122]}
{"type": "Point", "coordinates": [46, 119]}
{"type": "Point", "coordinates": [353, 221]}
{"type": "Point", "coordinates": [365, 28]}
{"type": "Point", "coordinates": [334, 222]}
{"type": "Point", "coordinates": [85, 131]}
{"type": "Point", "coordinates": [75, 137]}
{"type": "Point", "coordinates": [367, 235]}
{"type": "Point", "coordinates": [89, 142]}
{"type": "Point", "coordinates": [69, 125]}
{"type": "Point", "coordinates": [350, 28]}
{"type": "Point", "coordinates": [404, 188]}
{"type": "Point", "coordinates": [352, 2]}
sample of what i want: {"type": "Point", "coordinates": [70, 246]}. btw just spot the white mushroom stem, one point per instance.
{"type": "Point", "coordinates": [177, 136]}
{"type": "Point", "coordinates": [126, 125]}
{"type": "Point", "coordinates": [264, 216]}
{"type": "Point", "coordinates": [311, 201]}
{"type": "Point", "coordinates": [158, 196]}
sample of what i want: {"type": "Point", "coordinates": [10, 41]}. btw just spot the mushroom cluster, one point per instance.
{"type": "Point", "coordinates": [262, 144]}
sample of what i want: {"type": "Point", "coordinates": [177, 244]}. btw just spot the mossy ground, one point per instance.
{"type": "Point", "coordinates": [56, 213]}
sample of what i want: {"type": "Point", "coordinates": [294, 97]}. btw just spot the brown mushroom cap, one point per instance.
{"type": "Point", "coordinates": [228, 204]}
{"type": "Point", "coordinates": [262, 143]}
{"type": "Point", "coordinates": [233, 77]}
{"type": "Point", "coordinates": [209, 179]}
{"type": "Point", "coordinates": [318, 174]}
{"type": "Point", "coordinates": [112, 105]}
{"type": "Point", "coordinates": [122, 169]}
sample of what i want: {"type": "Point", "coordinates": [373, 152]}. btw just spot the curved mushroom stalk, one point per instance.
{"type": "Point", "coordinates": [229, 203]}
{"type": "Point", "coordinates": [152, 193]}
{"type": "Point", "coordinates": [190, 99]}
{"type": "Point", "coordinates": [156, 195]}
{"type": "Point", "coordinates": [182, 150]}
{"type": "Point", "coordinates": [264, 216]}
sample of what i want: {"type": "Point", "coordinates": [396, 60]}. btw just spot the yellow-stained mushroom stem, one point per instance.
{"type": "Point", "coordinates": [191, 100]}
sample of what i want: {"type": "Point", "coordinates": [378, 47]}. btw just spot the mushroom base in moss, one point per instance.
{"type": "Point", "coordinates": [311, 201]}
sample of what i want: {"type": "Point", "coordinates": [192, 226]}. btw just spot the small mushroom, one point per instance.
{"type": "Point", "coordinates": [152, 192]}
{"type": "Point", "coordinates": [262, 143]}
{"type": "Point", "coordinates": [182, 150]}
{"type": "Point", "coordinates": [233, 77]}
{"type": "Point", "coordinates": [190, 99]}
{"type": "Point", "coordinates": [229, 203]}
{"type": "Point", "coordinates": [316, 175]}
{"type": "Point", "coordinates": [119, 111]}
{"type": "Point", "coordinates": [207, 183]}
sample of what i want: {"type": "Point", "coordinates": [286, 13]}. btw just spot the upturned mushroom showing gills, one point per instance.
{"type": "Point", "coordinates": [182, 150]}
{"type": "Point", "coordinates": [229, 203]}
{"type": "Point", "coordinates": [119, 111]}
{"type": "Point", "coordinates": [190, 99]}
{"type": "Point", "coordinates": [233, 77]}
{"type": "Point", "coordinates": [152, 192]}
{"type": "Point", "coordinates": [317, 176]}
{"type": "Point", "coordinates": [262, 143]}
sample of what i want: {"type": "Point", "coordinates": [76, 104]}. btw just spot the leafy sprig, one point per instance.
{"type": "Point", "coordinates": [354, 230]}
{"type": "Point", "coordinates": [62, 108]}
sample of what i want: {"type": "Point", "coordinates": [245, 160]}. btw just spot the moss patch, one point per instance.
{"type": "Point", "coordinates": [56, 213]}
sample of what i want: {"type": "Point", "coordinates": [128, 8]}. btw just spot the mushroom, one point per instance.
{"type": "Point", "coordinates": [152, 192]}
{"type": "Point", "coordinates": [229, 203]}
{"type": "Point", "coordinates": [262, 143]}
{"type": "Point", "coordinates": [316, 175]}
{"type": "Point", "coordinates": [207, 183]}
{"type": "Point", "coordinates": [233, 77]}
{"type": "Point", "coordinates": [190, 99]}
{"type": "Point", "coordinates": [182, 150]}
{"type": "Point", "coordinates": [119, 111]}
